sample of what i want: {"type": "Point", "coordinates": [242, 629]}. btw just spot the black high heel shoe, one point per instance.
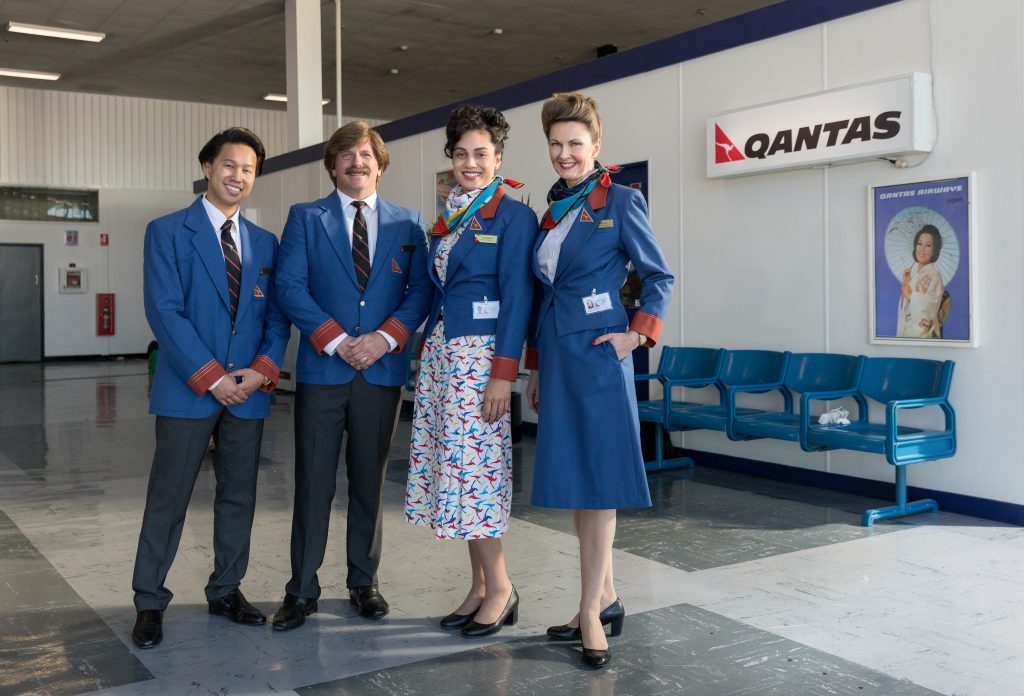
{"type": "Point", "coordinates": [453, 620]}
{"type": "Point", "coordinates": [508, 617]}
{"type": "Point", "coordinates": [597, 658]}
{"type": "Point", "coordinates": [613, 614]}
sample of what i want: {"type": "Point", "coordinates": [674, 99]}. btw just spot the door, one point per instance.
{"type": "Point", "coordinates": [21, 303]}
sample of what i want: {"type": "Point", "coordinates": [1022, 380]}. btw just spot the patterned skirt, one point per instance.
{"type": "Point", "coordinates": [460, 467]}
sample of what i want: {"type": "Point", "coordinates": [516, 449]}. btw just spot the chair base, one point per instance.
{"type": "Point", "coordinates": [894, 511]}
{"type": "Point", "coordinates": [676, 463]}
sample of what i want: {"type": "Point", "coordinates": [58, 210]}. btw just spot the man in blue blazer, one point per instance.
{"type": "Point", "coordinates": [209, 296]}
{"type": "Point", "coordinates": [353, 277]}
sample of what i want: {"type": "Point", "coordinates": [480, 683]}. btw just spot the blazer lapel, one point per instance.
{"type": "Point", "coordinates": [582, 230]}
{"type": "Point", "coordinates": [386, 236]}
{"type": "Point", "coordinates": [204, 239]}
{"type": "Point", "coordinates": [477, 224]}
{"type": "Point", "coordinates": [333, 221]}
{"type": "Point", "coordinates": [435, 242]}
{"type": "Point", "coordinates": [249, 270]}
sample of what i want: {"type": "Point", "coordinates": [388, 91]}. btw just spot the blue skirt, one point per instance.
{"type": "Point", "coordinates": [588, 431]}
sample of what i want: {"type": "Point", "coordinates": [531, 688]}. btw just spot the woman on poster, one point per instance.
{"type": "Point", "coordinates": [921, 289]}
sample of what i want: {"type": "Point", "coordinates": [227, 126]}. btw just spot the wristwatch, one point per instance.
{"type": "Point", "coordinates": [267, 381]}
{"type": "Point", "coordinates": [640, 339]}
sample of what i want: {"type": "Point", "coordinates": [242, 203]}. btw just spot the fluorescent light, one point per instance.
{"type": "Point", "coordinates": [29, 74]}
{"type": "Point", "coordinates": [270, 96]}
{"type": "Point", "coordinates": [55, 32]}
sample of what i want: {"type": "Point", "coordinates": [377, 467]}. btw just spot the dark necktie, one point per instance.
{"type": "Point", "coordinates": [361, 246]}
{"type": "Point", "coordinates": [233, 265]}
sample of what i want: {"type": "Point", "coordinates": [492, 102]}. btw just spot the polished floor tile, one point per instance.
{"type": "Point", "coordinates": [734, 585]}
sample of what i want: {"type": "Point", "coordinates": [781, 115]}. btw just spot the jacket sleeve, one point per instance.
{"type": "Point", "coordinates": [655, 277]}
{"type": "Point", "coordinates": [418, 292]}
{"type": "Point", "coordinates": [276, 332]}
{"type": "Point", "coordinates": [164, 301]}
{"type": "Point", "coordinates": [292, 284]}
{"type": "Point", "coordinates": [515, 280]}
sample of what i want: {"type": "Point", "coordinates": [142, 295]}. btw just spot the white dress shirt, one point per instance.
{"type": "Point", "coordinates": [551, 247]}
{"type": "Point", "coordinates": [370, 218]}
{"type": "Point", "coordinates": [217, 218]}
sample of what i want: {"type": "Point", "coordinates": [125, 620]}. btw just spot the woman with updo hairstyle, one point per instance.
{"type": "Point", "coordinates": [460, 459]}
{"type": "Point", "coordinates": [581, 385]}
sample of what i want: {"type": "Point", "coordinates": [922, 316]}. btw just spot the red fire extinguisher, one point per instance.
{"type": "Point", "coordinates": [105, 314]}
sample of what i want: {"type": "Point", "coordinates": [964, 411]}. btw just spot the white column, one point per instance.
{"type": "Point", "coordinates": [302, 43]}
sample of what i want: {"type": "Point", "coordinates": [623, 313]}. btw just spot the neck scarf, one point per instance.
{"type": "Point", "coordinates": [460, 207]}
{"type": "Point", "coordinates": [562, 199]}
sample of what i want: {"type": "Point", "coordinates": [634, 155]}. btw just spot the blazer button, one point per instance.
{"type": "Point", "coordinates": [357, 330]}
{"type": "Point", "coordinates": [231, 366]}
{"type": "Point", "coordinates": [233, 332]}
{"type": "Point", "coordinates": [362, 303]}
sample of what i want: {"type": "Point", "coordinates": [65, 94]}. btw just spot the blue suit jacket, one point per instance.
{"type": "Point", "coordinates": [186, 298]}
{"type": "Point", "coordinates": [491, 260]}
{"type": "Point", "coordinates": [318, 290]}
{"type": "Point", "coordinates": [611, 230]}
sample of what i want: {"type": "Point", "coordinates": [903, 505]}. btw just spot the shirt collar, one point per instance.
{"type": "Point", "coordinates": [217, 217]}
{"type": "Point", "coordinates": [346, 201]}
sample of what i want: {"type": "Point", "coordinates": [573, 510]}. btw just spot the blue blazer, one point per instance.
{"type": "Point", "coordinates": [318, 290]}
{"type": "Point", "coordinates": [491, 260]}
{"type": "Point", "coordinates": [186, 299]}
{"type": "Point", "coordinates": [611, 230]}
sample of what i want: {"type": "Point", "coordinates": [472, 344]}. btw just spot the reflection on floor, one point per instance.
{"type": "Point", "coordinates": [732, 585]}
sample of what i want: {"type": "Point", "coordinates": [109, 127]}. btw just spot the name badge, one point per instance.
{"type": "Point", "coordinates": [486, 238]}
{"type": "Point", "coordinates": [606, 223]}
{"type": "Point", "coordinates": [594, 303]}
{"type": "Point", "coordinates": [485, 309]}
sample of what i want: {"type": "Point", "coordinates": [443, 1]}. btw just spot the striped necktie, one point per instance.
{"type": "Point", "coordinates": [233, 265]}
{"type": "Point", "coordinates": [361, 246]}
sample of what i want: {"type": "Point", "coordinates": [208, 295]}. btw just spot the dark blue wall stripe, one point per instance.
{"type": "Point", "coordinates": [774, 20]}
{"type": "Point", "coordinates": [1009, 513]}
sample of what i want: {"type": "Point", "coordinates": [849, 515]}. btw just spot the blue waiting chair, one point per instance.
{"type": "Point", "coordinates": [898, 384]}
{"type": "Point", "coordinates": [757, 371]}
{"type": "Point", "coordinates": [678, 367]}
{"type": "Point", "coordinates": [815, 376]}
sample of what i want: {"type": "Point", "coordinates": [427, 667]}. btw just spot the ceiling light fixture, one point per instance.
{"type": "Point", "coordinates": [497, 31]}
{"type": "Point", "coordinates": [55, 32]}
{"type": "Point", "coordinates": [29, 74]}
{"type": "Point", "coordinates": [393, 71]}
{"type": "Point", "coordinates": [270, 96]}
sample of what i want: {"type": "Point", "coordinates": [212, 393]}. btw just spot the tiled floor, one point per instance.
{"type": "Point", "coordinates": [733, 585]}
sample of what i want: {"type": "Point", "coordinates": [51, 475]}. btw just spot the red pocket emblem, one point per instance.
{"type": "Point", "coordinates": [474, 225]}
{"type": "Point", "coordinates": [585, 217]}
{"type": "Point", "coordinates": [395, 268]}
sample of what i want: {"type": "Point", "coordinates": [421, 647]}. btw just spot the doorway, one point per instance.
{"type": "Point", "coordinates": [21, 303]}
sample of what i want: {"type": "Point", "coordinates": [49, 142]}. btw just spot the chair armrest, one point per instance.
{"type": "Point", "coordinates": [647, 378]}
{"type": "Point", "coordinates": [692, 382]}
{"type": "Point", "coordinates": [891, 409]}
{"type": "Point", "coordinates": [805, 409]}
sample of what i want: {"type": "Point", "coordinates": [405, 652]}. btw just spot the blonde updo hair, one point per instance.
{"type": "Point", "coordinates": [571, 106]}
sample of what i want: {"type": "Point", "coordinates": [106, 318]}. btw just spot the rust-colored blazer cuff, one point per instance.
{"type": "Point", "coordinates": [324, 334]}
{"type": "Point", "coordinates": [648, 325]}
{"type": "Point", "coordinates": [505, 368]}
{"type": "Point", "coordinates": [205, 376]}
{"type": "Point", "coordinates": [394, 328]}
{"type": "Point", "coordinates": [266, 367]}
{"type": "Point", "coordinates": [532, 362]}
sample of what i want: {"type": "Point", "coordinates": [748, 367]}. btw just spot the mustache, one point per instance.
{"type": "Point", "coordinates": [365, 171]}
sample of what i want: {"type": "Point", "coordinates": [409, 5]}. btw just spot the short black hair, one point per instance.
{"type": "Point", "coordinates": [471, 117]}
{"type": "Point", "coordinates": [236, 134]}
{"type": "Point", "coordinates": [936, 241]}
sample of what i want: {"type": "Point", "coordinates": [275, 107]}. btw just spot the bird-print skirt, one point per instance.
{"type": "Point", "coordinates": [460, 467]}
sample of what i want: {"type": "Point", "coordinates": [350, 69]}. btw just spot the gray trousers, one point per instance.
{"type": "Point", "coordinates": [323, 415]}
{"type": "Point", "coordinates": [181, 444]}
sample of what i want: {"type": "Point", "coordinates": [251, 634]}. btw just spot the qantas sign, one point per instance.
{"type": "Point", "coordinates": [890, 118]}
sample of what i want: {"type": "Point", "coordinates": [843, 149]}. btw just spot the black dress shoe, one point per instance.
{"type": "Point", "coordinates": [614, 614]}
{"type": "Point", "coordinates": [236, 607]}
{"type": "Point", "coordinates": [453, 621]}
{"type": "Point", "coordinates": [293, 612]}
{"type": "Point", "coordinates": [148, 630]}
{"type": "Point", "coordinates": [370, 601]}
{"type": "Point", "coordinates": [597, 658]}
{"type": "Point", "coordinates": [508, 617]}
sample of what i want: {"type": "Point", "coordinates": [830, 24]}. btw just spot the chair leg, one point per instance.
{"type": "Point", "coordinates": [902, 508]}
{"type": "Point", "coordinates": [660, 462]}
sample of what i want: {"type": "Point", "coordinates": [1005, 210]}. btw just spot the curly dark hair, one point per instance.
{"type": "Point", "coordinates": [471, 117]}
{"type": "Point", "coordinates": [936, 242]}
{"type": "Point", "coordinates": [239, 135]}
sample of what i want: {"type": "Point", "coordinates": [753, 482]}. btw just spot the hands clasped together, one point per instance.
{"type": "Point", "coordinates": [231, 392]}
{"type": "Point", "coordinates": [363, 351]}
